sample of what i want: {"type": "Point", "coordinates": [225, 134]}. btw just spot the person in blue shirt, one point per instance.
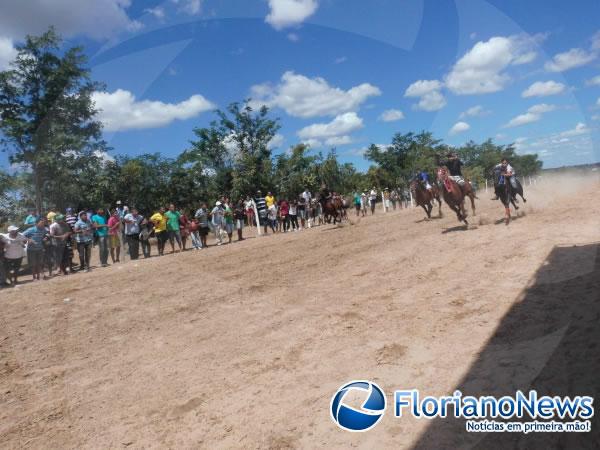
{"type": "Point", "coordinates": [99, 221]}
{"type": "Point", "coordinates": [423, 177]}
{"type": "Point", "coordinates": [31, 219]}
{"type": "Point", "coordinates": [84, 236]}
{"type": "Point", "coordinates": [36, 238]}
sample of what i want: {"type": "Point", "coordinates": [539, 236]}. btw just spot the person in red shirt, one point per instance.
{"type": "Point", "coordinates": [284, 211]}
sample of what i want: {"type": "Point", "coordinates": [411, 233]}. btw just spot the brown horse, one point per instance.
{"type": "Point", "coordinates": [424, 197]}
{"type": "Point", "coordinates": [454, 194]}
{"type": "Point", "coordinates": [332, 207]}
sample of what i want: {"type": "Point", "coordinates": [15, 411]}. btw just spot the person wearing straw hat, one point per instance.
{"type": "Point", "coordinates": [14, 251]}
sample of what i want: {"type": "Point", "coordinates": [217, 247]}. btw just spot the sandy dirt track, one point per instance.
{"type": "Point", "coordinates": [243, 346]}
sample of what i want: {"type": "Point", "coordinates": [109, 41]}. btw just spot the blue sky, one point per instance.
{"type": "Point", "coordinates": [343, 73]}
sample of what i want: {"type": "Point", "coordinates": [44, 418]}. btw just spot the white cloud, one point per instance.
{"type": "Point", "coordinates": [191, 7]}
{"type": "Point", "coordinates": [533, 114]}
{"type": "Point", "coordinates": [157, 12]}
{"type": "Point", "coordinates": [287, 13]}
{"type": "Point", "coordinates": [338, 140]}
{"type": "Point", "coordinates": [593, 81]}
{"type": "Point", "coordinates": [474, 111]}
{"type": "Point", "coordinates": [305, 97]}
{"type": "Point", "coordinates": [523, 119]}
{"type": "Point", "coordinates": [598, 102]}
{"type": "Point", "coordinates": [341, 59]}
{"type": "Point", "coordinates": [431, 99]}
{"type": "Point", "coordinates": [276, 141]}
{"type": "Point", "coordinates": [541, 108]}
{"type": "Point", "coordinates": [459, 127]}
{"type": "Point", "coordinates": [575, 57]}
{"type": "Point", "coordinates": [339, 126]}
{"type": "Point", "coordinates": [596, 117]}
{"type": "Point", "coordinates": [391, 115]}
{"type": "Point", "coordinates": [7, 52]}
{"type": "Point", "coordinates": [120, 111]}
{"type": "Point", "coordinates": [596, 41]}
{"type": "Point", "coordinates": [293, 37]}
{"type": "Point", "coordinates": [543, 88]}
{"type": "Point", "coordinates": [482, 69]}
{"type": "Point", "coordinates": [98, 19]}
{"type": "Point", "coordinates": [579, 129]}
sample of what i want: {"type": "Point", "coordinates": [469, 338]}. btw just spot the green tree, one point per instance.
{"type": "Point", "coordinates": [46, 108]}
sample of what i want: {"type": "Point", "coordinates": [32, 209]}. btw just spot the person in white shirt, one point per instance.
{"type": "Point", "coordinates": [14, 250]}
{"type": "Point", "coordinates": [373, 199]}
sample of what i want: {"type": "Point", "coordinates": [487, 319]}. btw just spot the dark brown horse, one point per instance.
{"type": "Point", "coordinates": [454, 194]}
{"type": "Point", "coordinates": [424, 197]}
{"type": "Point", "coordinates": [506, 192]}
{"type": "Point", "coordinates": [332, 207]}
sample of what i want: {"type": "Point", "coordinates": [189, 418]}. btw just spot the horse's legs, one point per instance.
{"type": "Point", "coordinates": [425, 209]}
{"type": "Point", "coordinates": [472, 198]}
{"type": "Point", "coordinates": [512, 200]}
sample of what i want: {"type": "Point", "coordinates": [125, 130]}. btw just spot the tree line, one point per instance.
{"type": "Point", "coordinates": [50, 131]}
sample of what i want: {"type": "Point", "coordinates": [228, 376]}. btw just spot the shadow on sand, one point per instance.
{"type": "Point", "coordinates": [549, 341]}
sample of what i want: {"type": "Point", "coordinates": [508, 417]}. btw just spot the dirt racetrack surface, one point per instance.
{"type": "Point", "coordinates": [243, 346]}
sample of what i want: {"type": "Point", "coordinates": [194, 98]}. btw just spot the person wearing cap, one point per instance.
{"type": "Point", "coordinates": [36, 238]}
{"type": "Point", "coordinates": [60, 233]}
{"type": "Point", "coordinates": [50, 216]}
{"type": "Point", "coordinates": [84, 236]}
{"type": "Point", "coordinates": [101, 229]}
{"type": "Point", "coordinates": [217, 219]}
{"type": "Point", "coordinates": [14, 251]}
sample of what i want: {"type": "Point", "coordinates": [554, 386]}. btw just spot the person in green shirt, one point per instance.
{"type": "Point", "coordinates": [101, 228]}
{"type": "Point", "coordinates": [173, 227]}
{"type": "Point", "coordinates": [357, 203]}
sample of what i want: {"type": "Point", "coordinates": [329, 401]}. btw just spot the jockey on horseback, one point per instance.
{"type": "Point", "coordinates": [454, 164]}
{"type": "Point", "coordinates": [423, 178]}
{"type": "Point", "coordinates": [506, 171]}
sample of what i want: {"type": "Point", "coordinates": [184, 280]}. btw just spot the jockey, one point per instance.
{"type": "Point", "coordinates": [454, 164]}
{"type": "Point", "coordinates": [506, 171]}
{"type": "Point", "coordinates": [325, 193]}
{"type": "Point", "coordinates": [423, 177]}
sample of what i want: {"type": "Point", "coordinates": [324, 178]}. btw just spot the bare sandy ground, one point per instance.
{"type": "Point", "coordinates": [243, 346]}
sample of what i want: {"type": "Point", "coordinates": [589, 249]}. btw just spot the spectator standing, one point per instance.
{"type": "Point", "coordinates": [60, 233]}
{"type": "Point", "coordinates": [31, 219]}
{"type": "Point", "coordinates": [203, 228]}
{"type": "Point", "coordinates": [36, 236]}
{"type": "Point", "coordinates": [261, 207]}
{"type": "Point", "coordinates": [249, 205]}
{"type": "Point", "coordinates": [114, 232]}
{"type": "Point", "coordinates": [196, 243]}
{"type": "Point", "coordinates": [373, 199]}
{"type": "Point", "coordinates": [160, 229]}
{"type": "Point", "coordinates": [238, 215]}
{"type": "Point", "coordinates": [84, 236]}
{"type": "Point", "coordinates": [173, 225]}
{"type": "Point", "coordinates": [302, 211]}
{"type": "Point", "coordinates": [217, 216]}
{"type": "Point", "coordinates": [145, 233]}
{"type": "Point", "coordinates": [184, 228]}
{"type": "Point", "coordinates": [133, 222]}
{"type": "Point", "coordinates": [357, 203]}
{"type": "Point", "coordinates": [293, 215]}
{"type": "Point", "coordinates": [269, 200]}
{"type": "Point", "coordinates": [284, 212]}
{"type": "Point", "coordinates": [14, 250]}
{"type": "Point", "coordinates": [228, 219]}
{"type": "Point", "coordinates": [101, 227]}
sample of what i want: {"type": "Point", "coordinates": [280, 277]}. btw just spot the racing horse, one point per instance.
{"type": "Point", "coordinates": [454, 195]}
{"type": "Point", "coordinates": [332, 207]}
{"type": "Point", "coordinates": [424, 197]}
{"type": "Point", "coordinates": [506, 192]}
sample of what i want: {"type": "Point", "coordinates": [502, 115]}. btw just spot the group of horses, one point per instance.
{"type": "Point", "coordinates": [455, 194]}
